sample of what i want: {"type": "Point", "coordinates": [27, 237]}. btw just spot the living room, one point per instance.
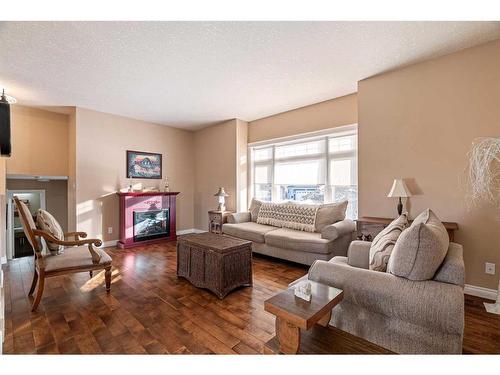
{"type": "Point", "coordinates": [269, 201]}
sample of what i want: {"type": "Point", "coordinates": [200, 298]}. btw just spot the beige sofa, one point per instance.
{"type": "Point", "coordinates": [394, 312]}
{"type": "Point", "coordinates": [289, 244]}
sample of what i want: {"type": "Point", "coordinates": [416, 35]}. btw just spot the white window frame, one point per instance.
{"type": "Point", "coordinates": [327, 157]}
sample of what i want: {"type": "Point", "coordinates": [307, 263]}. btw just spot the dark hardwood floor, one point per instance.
{"type": "Point", "coordinates": [150, 310]}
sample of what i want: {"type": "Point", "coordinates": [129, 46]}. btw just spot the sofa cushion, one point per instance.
{"type": "Point", "coordinates": [48, 223]}
{"type": "Point", "coordinates": [383, 243]}
{"type": "Point", "coordinates": [254, 209]}
{"type": "Point", "coordinates": [74, 257]}
{"type": "Point", "coordinates": [248, 231]}
{"type": "Point", "coordinates": [329, 213]}
{"type": "Point", "coordinates": [299, 240]}
{"type": "Point", "coordinates": [420, 249]}
{"type": "Point", "coordinates": [288, 215]}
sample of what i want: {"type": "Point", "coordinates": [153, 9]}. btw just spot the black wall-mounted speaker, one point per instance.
{"type": "Point", "coordinates": [5, 146]}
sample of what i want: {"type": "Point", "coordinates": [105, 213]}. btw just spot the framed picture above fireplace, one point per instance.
{"type": "Point", "coordinates": [143, 164]}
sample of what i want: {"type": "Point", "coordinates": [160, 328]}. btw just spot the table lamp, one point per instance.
{"type": "Point", "coordinates": [222, 199]}
{"type": "Point", "coordinates": [399, 190]}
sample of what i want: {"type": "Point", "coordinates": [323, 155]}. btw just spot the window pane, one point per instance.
{"type": "Point", "coordinates": [308, 172]}
{"type": "Point", "coordinates": [349, 192]}
{"type": "Point", "coordinates": [299, 149]}
{"type": "Point", "coordinates": [343, 172]}
{"type": "Point", "coordinates": [302, 193]}
{"type": "Point", "coordinates": [263, 192]}
{"type": "Point", "coordinates": [263, 154]}
{"type": "Point", "coordinates": [342, 144]}
{"type": "Point", "coordinates": [262, 174]}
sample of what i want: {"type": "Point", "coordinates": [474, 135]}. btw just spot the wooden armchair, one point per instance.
{"type": "Point", "coordinates": [80, 256]}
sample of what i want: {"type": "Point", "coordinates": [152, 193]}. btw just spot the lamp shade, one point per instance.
{"type": "Point", "coordinates": [399, 189]}
{"type": "Point", "coordinates": [221, 193]}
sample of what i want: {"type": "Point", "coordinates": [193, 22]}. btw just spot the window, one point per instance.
{"type": "Point", "coordinates": [311, 170]}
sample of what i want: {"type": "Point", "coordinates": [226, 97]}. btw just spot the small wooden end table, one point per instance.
{"type": "Point", "coordinates": [293, 314]}
{"type": "Point", "coordinates": [216, 219]}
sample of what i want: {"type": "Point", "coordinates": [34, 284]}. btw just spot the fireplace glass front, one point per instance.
{"type": "Point", "coordinates": [149, 225]}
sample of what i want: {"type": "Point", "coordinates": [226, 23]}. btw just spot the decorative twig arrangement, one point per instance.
{"type": "Point", "coordinates": [483, 175]}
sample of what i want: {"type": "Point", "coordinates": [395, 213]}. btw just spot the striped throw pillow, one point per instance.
{"type": "Point", "coordinates": [383, 243]}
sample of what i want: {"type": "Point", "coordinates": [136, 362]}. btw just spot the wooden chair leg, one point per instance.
{"type": "Point", "coordinates": [107, 276]}
{"type": "Point", "coordinates": [33, 283]}
{"type": "Point", "coordinates": [39, 292]}
{"type": "Point", "coordinates": [91, 273]}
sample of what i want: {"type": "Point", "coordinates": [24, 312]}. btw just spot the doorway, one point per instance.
{"type": "Point", "coordinates": [17, 244]}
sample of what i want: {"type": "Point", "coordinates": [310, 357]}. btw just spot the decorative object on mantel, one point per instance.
{"type": "Point", "coordinates": [151, 189]}
{"type": "Point", "coordinates": [222, 199]}
{"type": "Point", "coordinates": [303, 290]}
{"type": "Point", "coordinates": [166, 187]}
{"type": "Point", "coordinates": [399, 190]}
{"type": "Point", "coordinates": [144, 165]}
{"type": "Point", "coordinates": [483, 176]}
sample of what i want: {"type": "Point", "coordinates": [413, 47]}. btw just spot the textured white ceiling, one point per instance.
{"type": "Point", "coordinates": [191, 74]}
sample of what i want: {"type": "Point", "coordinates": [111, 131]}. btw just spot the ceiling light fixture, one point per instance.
{"type": "Point", "coordinates": [7, 98]}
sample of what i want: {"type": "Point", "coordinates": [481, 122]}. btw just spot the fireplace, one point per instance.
{"type": "Point", "coordinates": [149, 225]}
{"type": "Point", "coordinates": [146, 217]}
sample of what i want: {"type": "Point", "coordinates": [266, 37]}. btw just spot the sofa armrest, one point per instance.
{"type": "Point", "coordinates": [239, 217]}
{"type": "Point", "coordinates": [425, 303]}
{"type": "Point", "coordinates": [338, 229]}
{"type": "Point", "coordinates": [358, 254]}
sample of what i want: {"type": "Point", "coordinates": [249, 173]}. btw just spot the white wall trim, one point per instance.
{"type": "Point", "coordinates": [109, 243]}
{"type": "Point", "coordinates": [3, 260]}
{"type": "Point", "coordinates": [479, 291]}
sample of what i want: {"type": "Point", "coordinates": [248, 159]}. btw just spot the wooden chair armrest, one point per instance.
{"type": "Point", "coordinates": [75, 235]}
{"type": "Point", "coordinates": [96, 257]}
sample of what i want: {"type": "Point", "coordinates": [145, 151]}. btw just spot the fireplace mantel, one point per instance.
{"type": "Point", "coordinates": [152, 208]}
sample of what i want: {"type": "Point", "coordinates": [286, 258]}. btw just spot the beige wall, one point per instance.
{"type": "Point", "coordinates": [215, 165]}
{"type": "Point", "coordinates": [33, 131]}
{"type": "Point", "coordinates": [324, 115]}
{"type": "Point", "coordinates": [101, 142]}
{"type": "Point", "coordinates": [418, 123]}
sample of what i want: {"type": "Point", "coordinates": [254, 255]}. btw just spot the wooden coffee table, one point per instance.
{"type": "Point", "coordinates": [293, 314]}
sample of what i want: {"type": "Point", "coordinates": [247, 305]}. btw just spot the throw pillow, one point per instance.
{"type": "Point", "coordinates": [46, 222]}
{"type": "Point", "coordinates": [383, 243]}
{"type": "Point", "coordinates": [329, 214]}
{"type": "Point", "coordinates": [288, 215]}
{"type": "Point", "coordinates": [254, 209]}
{"type": "Point", "coordinates": [420, 249]}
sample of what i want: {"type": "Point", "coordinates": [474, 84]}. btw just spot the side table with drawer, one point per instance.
{"type": "Point", "coordinates": [216, 219]}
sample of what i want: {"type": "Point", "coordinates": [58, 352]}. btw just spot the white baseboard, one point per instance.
{"type": "Point", "coordinates": [3, 260]}
{"type": "Point", "coordinates": [479, 291]}
{"type": "Point", "coordinates": [109, 243]}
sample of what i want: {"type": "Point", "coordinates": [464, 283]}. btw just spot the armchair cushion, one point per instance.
{"type": "Point", "coordinates": [420, 249]}
{"type": "Point", "coordinates": [338, 229]}
{"type": "Point", "coordinates": [74, 258]}
{"type": "Point", "coordinates": [239, 217]}
{"type": "Point", "coordinates": [358, 254]}
{"type": "Point", "coordinates": [46, 222]}
{"type": "Point", "coordinates": [328, 214]}
{"type": "Point", "coordinates": [383, 243]}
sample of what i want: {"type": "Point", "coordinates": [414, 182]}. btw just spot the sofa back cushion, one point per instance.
{"type": "Point", "coordinates": [383, 243]}
{"type": "Point", "coordinates": [420, 249]}
{"type": "Point", "coordinates": [48, 223]}
{"type": "Point", "coordinates": [288, 215]}
{"type": "Point", "coordinates": [254, 209]}
{"type": "Point", "coordinates": [330, 213]}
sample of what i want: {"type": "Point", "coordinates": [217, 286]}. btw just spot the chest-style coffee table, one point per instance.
{"type": "Point", "coordinates": [215, 262]}
{"type": "Point", "coordinates": [293, 314]}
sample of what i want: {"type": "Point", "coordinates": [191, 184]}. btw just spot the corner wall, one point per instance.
{"type": "Point", "coordinates": [101, 143]}
{"type": "Point", "coordinates": [418, 123]}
